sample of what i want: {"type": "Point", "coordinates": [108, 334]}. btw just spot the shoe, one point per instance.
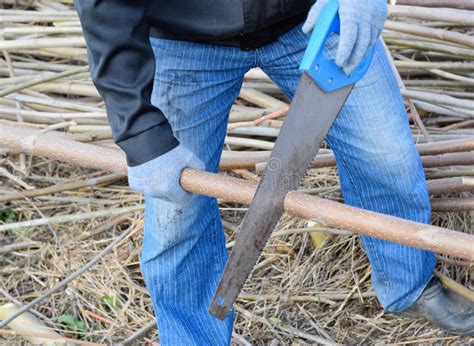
{"type": "Point", "coordinates": [444, 308]}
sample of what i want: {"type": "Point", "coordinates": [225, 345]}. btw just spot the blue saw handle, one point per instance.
{"type": "Point", "coordinates": [325, 72]}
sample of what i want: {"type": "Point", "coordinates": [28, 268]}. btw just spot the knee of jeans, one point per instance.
{"type": "Point", "coordinates": [386, 156]}
{"type": "Point", "coordinates": [395, 165]}
{"type": "Point", "coordinates": [168, 225]}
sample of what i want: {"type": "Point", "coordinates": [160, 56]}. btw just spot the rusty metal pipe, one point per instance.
{"type": "Point", "coordinates": [215, 185]}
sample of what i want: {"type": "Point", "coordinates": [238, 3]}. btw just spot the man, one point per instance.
{"type": "Point", "coordinates": [168, 99]}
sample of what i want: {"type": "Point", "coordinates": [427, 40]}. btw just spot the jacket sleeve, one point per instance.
{"type": "Point", "coordinates": [122, 67]}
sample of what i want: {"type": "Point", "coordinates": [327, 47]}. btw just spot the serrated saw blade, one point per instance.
{"type": "Point", "coordinates": [309, 119]}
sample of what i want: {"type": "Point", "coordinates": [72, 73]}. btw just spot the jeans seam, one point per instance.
{"type": "Point", "coordinates": [215, 238]}
{"type": "Point", "coordinates": [257, 61]}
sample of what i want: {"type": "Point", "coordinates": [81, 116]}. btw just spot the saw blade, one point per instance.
{"type": "Point", "coordinates": [311, 114]}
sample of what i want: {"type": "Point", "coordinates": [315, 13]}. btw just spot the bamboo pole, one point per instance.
{"type": "Point", "coordinates": [444, 100]}
{"type": "Point", "coordinates": [444, 65]}
{"type": "Point", "coordinates": [261, 99]}
{"type": "Point", "coordinates": [448, 185]}
{"type": "Point", "coordinates": [39, 30]}
{"type": "Point", "coordinates": [434, 14]}
{"type": "Point", "coordinates": [19, 86]}
{"type": "Point", "coordinates": [461, 4]}
{"type": "Point", "coordinates": [58, 339]}
{"type": "Point", "coordinates": [445, 160]}
{"type": "Point", "coordinates": [37, 43]}
{"type": "Point", "coordinates": [420, 30]}
{"type": "Point", "coordinates": [439, 49]}
{"type": "Point", "coordinates": [79, 184]}
{"type": "Point", "coordinates": [337, 215]}
{"type": "Point", "coordinates": [215, 185]}
{"type": "Point", "coordinates": [450, 204]}
{"type": "Point", "coordinates": [433, 154]}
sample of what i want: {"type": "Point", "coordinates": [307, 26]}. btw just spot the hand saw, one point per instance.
{"type": "Point", "coordinates": [321, 93]}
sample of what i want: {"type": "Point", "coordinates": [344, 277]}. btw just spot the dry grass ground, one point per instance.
{"type": "Point", "coordinates": [299, 290]}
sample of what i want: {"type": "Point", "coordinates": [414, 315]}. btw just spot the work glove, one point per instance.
{"type": "Point", "coordinates": [159, 177]}
{"type": "Point", "coordinates": [362, 23]}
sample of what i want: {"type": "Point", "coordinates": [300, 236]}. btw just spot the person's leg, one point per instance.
{"type": "Point", "coordinates": [183, 248]}
{"type": "Point", "coordinates": [378, 164]}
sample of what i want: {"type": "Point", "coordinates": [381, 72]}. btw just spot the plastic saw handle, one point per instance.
{"type": "Point", "coordinates": [325, 72]}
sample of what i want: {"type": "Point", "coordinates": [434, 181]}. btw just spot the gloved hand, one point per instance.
{"type": "Point", "coordinates": [362, 23]}
{"type": "Point", "coordinates": [159, 177]}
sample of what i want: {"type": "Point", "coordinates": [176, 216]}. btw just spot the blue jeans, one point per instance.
{"type": "Point", "coordinates": [184, 247]}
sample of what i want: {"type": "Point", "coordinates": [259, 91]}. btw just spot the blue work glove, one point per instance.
{"type": "Point", "coordinates": [362, 23]}
{"type": "Point", "coordinates": [159, 177]}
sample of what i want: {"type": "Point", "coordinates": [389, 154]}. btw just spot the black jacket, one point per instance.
{"type": "Point", "coordinates": [122, 62]}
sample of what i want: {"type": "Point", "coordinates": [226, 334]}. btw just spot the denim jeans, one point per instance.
{"type": "Point", "coordinates": [184, 247]}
